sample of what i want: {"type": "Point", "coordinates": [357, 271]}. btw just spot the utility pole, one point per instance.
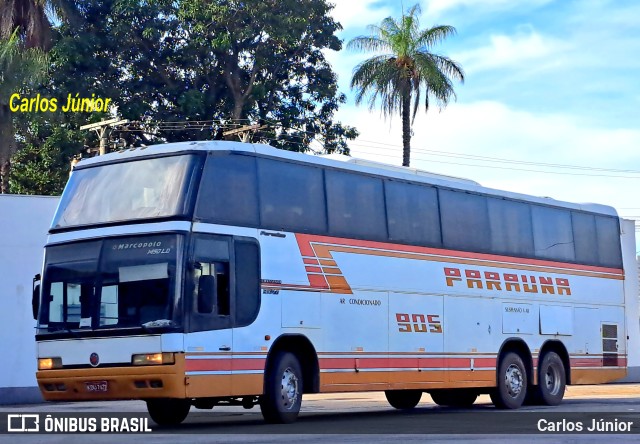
{"type": "Point", "coordinates": [103, 129]}
{"type": "Point", "coordinates": [244, 132]}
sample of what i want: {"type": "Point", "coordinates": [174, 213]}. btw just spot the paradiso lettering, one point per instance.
{"type": "Point", "coordinates": [492, 280]}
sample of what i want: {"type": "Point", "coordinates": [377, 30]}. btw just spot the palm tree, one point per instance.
{"type": "Point", "coordinates": [30, 16]}
{"type": "Point", "coordinates": [18, 68]}
{"type": "Point", "coordinates": [25, 29]}
{"type": "Point", "coordinates": [406, 71]}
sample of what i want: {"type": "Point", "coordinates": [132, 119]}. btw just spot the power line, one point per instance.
{"type": "Point", "coordinates": [510, 168]}
{"type": "Point", "coordinates": [222, 124]}
{"type": "Point", "coordinates": [392, 147]}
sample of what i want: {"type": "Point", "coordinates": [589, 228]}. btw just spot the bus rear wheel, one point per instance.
{"type": "Point", "coordinates": [454, 397]}
{"type": "Point", "coordinates": [282, 397]}
{"type": "Point", "coordinates": [403, 399]}
{"type": "Point", "coordinates": [551, 379]}
{"type": "Point", "coordinates": [168, 412]}
{"type": "Point", "coordinates": [511, 387]}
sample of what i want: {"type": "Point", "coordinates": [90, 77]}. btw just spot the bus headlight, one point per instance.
{"type": "Point", "coordinates": [153, 359]}
{"type": "Point", "coordinates": [49, 363]}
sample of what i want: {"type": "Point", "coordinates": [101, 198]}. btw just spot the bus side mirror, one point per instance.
{"type": "Point", "coordinates": [207, 293]}
{"type": "Point", "coordinates": [35, 297]}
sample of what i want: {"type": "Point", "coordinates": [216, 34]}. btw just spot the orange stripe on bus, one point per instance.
{"type": "Point", "coordinates": [413, 363]}
{"type": "Point", "coordinates": [224, 364]}
{"type": "Point", "coordinates": [305, 242]}
{"type": "Point", "coordinates": [597, 362]}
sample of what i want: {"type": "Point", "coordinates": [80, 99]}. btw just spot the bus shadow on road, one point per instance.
{"type": "Point", "coordinates": [483, 418]}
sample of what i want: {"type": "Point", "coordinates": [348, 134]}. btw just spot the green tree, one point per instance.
{"type": "Point", "coordinates": [252, 61]}
{"type": "Point", "coordinates": [164, 61]}
{"type": "Point", "coordinates": [406, 71]}
{"type": "Point", "coordinates": [43, 169]}
{"type": "Point", "coordinates": [24, 28]}
{"type": "Point", "coordinates": [266, 57]}
{"type": "Point", "coordinates": [19, 69]}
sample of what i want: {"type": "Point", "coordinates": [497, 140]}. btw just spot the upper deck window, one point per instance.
{"type": "Point", "coordinates": [139, 189]}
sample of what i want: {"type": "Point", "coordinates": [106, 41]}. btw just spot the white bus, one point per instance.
{"type": "Point", "coordinates": [206, 273]}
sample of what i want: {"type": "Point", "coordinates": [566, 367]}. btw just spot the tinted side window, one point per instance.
{"type": "Point", "coordinates": [247, 260]}
{"type": "Point", "coordinates": [552, 233]}
{"type": "Point", "coordinates": [291, 197]}
{"type": "Point", "coordinates": [465, 221]}
{"type": "Point", "coordinates": [228, 191]}
{"type": "Point", "coordinates": [608, 232]}
{"type": "Point", "coordinates": [356, 205]}
{"type": "Point", "coordinates": [209, 274]}
{"type": "Point", "coordinates": [412, 213]}
{"type": "Point", "coordinates": [584, 235]}
{"type": "Point", "coordinates": [511, 231]}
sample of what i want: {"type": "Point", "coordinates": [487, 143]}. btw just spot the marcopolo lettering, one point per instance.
{"type": "Point", "coordinates": [130, 246]}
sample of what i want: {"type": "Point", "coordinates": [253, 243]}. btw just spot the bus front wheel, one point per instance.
{"type": "Point", "coordinates": [168, 412]}
{"type": "Point", "coordinates": [282, 397]}
{"type": "Point", "coordinates": [511, 387]}
{"type": "Point", "coordinates": [403, 399]}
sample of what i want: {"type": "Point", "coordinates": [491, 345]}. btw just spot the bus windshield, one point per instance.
{"type": "Point", "coordinates": [138, 189]}
{"type": "Point", "coordinates": [111, 284]}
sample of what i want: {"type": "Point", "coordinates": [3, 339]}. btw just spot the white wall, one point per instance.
{"type": "Point", "coordinates": [24, 221]}
{"type": "Point", "coordinates": [632, 293]}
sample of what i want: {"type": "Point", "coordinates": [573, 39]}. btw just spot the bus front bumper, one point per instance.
{"type": "Point", "coordinates": [130, 382]}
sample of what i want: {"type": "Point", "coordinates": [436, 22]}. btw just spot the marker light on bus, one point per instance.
{"type": "Point", "coordinates": [153, 359]}
{"type": "Point", "coordinates": [49, 363]}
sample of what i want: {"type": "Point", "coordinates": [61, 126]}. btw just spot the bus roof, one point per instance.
{"type": "Point", "coordinates": [340, 162]}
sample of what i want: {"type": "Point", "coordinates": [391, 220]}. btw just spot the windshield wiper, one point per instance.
{"type": "Point", "coordinates": [66, 329]}
{"type": "Point", "coordinates": [160, 324]}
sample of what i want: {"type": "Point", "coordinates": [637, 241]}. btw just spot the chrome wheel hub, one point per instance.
{"type": "Point", "coordinates": [514, 380]}
{"type": "Point", "coordinates": [289, 389]}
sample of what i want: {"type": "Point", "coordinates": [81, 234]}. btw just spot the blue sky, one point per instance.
{"type": "Point", "coordinates": [547, 82]}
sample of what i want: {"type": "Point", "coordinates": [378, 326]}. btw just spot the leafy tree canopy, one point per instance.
{"type": "Point", "coordinates": [162, 61]}
{"type": "Point", "coordinates": [20, 69]}
{"type": "Point", "coordinates": [44, 169]}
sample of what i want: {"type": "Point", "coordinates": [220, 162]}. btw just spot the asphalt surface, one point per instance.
{"type": "Point", "coordinates": [367, 418]}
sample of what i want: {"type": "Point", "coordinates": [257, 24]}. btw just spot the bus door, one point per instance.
{"type": "Point", "coordinates": [209, 308]}
{"type": "Point", "coordinates": [224, 277]}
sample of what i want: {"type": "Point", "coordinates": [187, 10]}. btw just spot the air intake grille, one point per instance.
{"type": "Point", "coordinates": [609, 345]}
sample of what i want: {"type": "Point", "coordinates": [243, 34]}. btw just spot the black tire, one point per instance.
{"type": "Point", "coordinates": [168, 412]}
{"type": "Point", "coordinates": [511, 389]}
{"type": "Point", "coordinates": [454, 397]}
{"type": "Point", "coordinates": [552, 380]}
{"type": "Point", "coordinates": [403, 399]}
{"type": "Point", "coordinates": [282, 397]}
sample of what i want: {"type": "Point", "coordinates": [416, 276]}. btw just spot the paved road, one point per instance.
{"type": "Point", "coordinates": [367, 418]}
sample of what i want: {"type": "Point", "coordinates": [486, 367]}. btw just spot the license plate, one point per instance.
{"type": "Point", "coordinates": [97, 386]}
